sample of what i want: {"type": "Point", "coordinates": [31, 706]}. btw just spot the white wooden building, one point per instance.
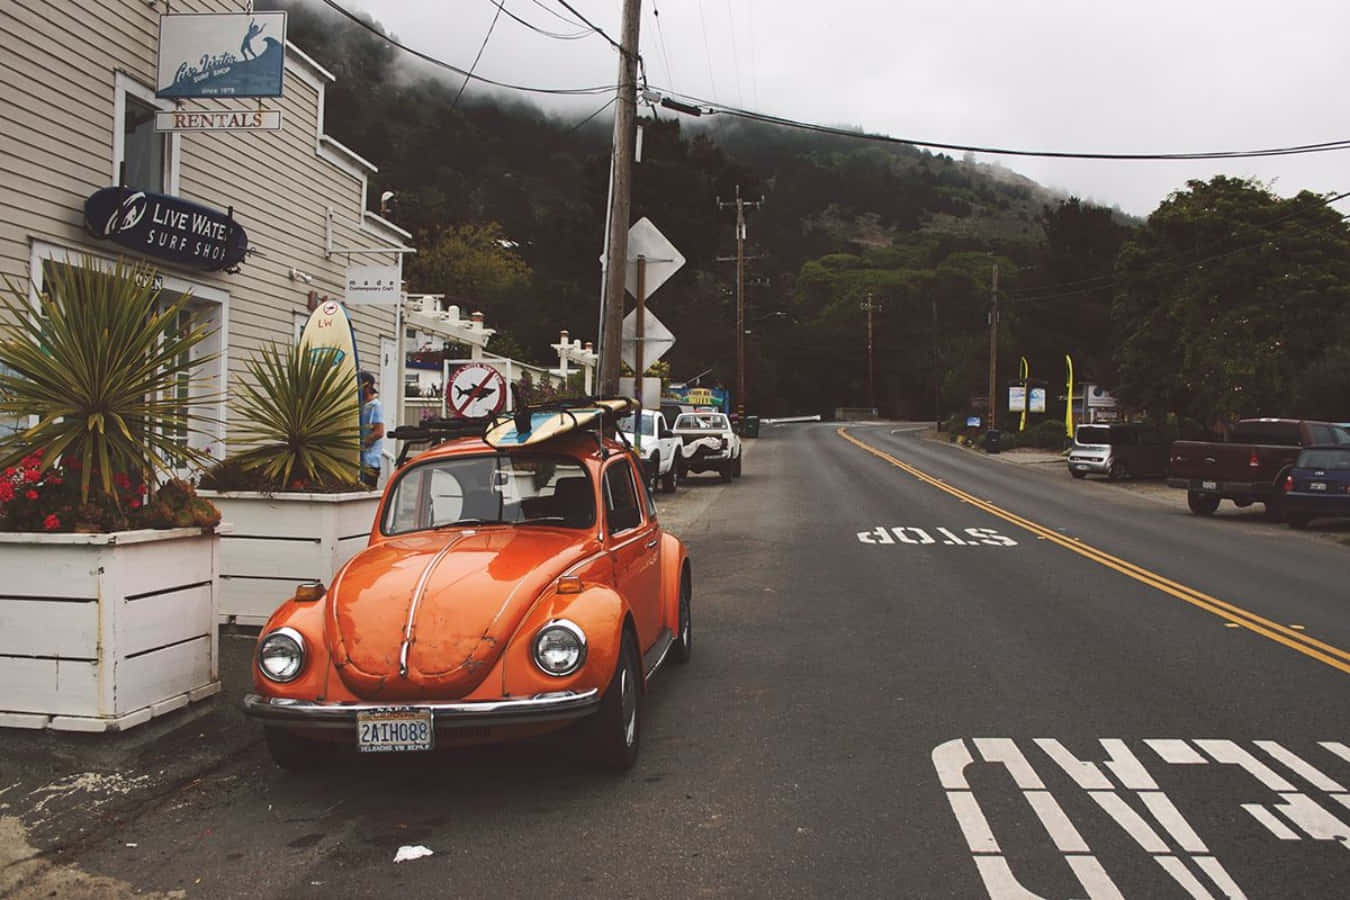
{"type": "Point", "coordinates": [77, 106]}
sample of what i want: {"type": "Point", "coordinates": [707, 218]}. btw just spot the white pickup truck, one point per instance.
{"type": "Point", "coordinates": [709, 444]}
{"type": "Point", "coordinates": [659, 449]}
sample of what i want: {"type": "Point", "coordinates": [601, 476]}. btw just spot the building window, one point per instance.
{"type": "Point", "coordinates": [142, 157]}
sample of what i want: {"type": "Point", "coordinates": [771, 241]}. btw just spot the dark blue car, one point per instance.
{"type": "Point", "coordinates": [1318, 485]}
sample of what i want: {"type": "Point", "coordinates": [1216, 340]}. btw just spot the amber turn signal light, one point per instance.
{"type": "Point", "coordinates": [569, 584]}
{"type": "Point", "coordinates": [309, 591]}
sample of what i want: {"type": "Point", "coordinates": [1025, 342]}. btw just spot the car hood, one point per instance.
{"type": "Point", "coordinates": [465, 593]}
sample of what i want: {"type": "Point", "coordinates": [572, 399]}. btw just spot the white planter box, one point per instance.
{"type": "Point", "coordinates": [277, 541]}
{"type": "Point", "coordinates": [101, 632]}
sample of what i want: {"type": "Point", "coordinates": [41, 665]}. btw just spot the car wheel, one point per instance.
{"type": "Point", "coordinates": [684, 639]}
{"type": "Point", "coordinates": [670, 480]}
{"type": "Point", "coordinates": [736, 468]}
{"type": "Point", "coordinates": [614, 732]}
{"type": "Point", "coordinates": [1077, 474]}
{"type": "Point", "coordinates": [725, 470]}
{"type": "Point", "coordinates": [1298, 521]}
{"type": "Point", "coordinates": [1202, 504]}
{"type": "Point", "coordinates": [295, 753]}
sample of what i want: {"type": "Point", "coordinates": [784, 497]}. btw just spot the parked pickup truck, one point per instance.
{"type": "Point", "coordinates": [1249, 467]}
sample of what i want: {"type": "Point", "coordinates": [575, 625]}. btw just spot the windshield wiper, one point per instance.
{"type": "Point", "coordinates": [470, 521]}
{"type": "Point", "coordinates": [534, 520]}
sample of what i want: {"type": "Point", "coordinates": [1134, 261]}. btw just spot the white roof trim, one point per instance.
{"type": "Point", "coordinates": [308, 61]}
{"type": "Point", "coordinates": [348, 152]}
{"type": "Point", "coordinates": [382, 223]}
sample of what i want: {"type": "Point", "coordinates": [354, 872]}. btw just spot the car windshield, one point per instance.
{"type": "Point", "coordinates": [702, 422]}
{"type": "Point", "coordinates": [517, 489]}
{"type": "Point", "coordinates": [648, 425]}
{"type": "Point", "coordinates": [1324, 458]}
{"type": "Point", "coordinates": [1094, 434]}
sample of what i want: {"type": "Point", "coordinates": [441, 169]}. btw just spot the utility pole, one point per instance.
{"type": "Point", "coordinates": [615, 265]}
{"type": "Point", "coordinates": [871, 379]}
{"type": "Point", "coordinates": [993, 349]}
{"type": "Point", "coordinates": [937, 371]}
{"type": "Point", "coordinates": [740, 205]}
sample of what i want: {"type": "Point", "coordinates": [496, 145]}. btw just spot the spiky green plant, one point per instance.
{"type": "Point", "coordinates": [298, 417]}
{"type": "Point", "coordinates": [100, 366]}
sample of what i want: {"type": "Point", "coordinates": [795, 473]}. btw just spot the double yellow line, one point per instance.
{"type": "Point", "coordinates": [1280, 634]}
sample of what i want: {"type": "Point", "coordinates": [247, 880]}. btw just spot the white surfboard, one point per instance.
{"type": "Point", "coordinates": [329, 334]}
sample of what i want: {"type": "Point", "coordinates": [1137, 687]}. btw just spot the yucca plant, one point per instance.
{"type": "Point", "coordinates": [298, 421]}
{"type": "Point", "coordinates": [100, 365]}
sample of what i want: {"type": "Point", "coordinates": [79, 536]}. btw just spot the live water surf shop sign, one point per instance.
{"type": "Point", "coordinates": [167, 228]}
{"type": "Point", "coordinates": [221, 55]}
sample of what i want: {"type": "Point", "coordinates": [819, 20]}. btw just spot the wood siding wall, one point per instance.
{"type": "Point", "coordinates": [57, 94]}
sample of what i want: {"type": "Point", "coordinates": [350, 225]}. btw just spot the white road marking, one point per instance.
{"type": "Point", "coordinates": [1192, 867]}
{"type": "Point", "coordinates": [1304, 770]}
{"type": "Point", "coordinates": [917, 535]}
{"type": "Point", "coordinates": [1270, 823]}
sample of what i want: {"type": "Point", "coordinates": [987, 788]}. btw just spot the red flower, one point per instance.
{"type": "Point", "coordinates": [51, 523]}
{"type": "Point", "coordinates": [29, 462]}
{"type": "Point", "coordinates": [122, 481]}
{"type": "Point", "coordinates": [31, 475]}
{"type": "Point", "coordinates": [6, 491]}
{"type": "Point", "coordinates": [31, 494]}
{"type": "Point", "coordinates": [9, 473]}
{"type": "Point", "coordinates": [134, 504]}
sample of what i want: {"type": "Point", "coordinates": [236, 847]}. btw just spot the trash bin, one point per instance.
{"type": "Point", "coordinates": [992, 441]}
{"type": "Point", "coordinates": [751, 427]}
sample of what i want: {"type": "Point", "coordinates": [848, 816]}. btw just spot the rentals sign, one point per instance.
{"type": "Point", "coordinates": [219, 120]}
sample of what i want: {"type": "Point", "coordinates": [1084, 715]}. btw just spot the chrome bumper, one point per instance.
{"type": "Point", "coordinates": [555, 707]}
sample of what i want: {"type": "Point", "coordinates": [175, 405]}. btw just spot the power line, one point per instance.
{"type": "Point", "coordinates": [714, 107]}
{"type": "Point", "coordinates": [553, 12]}
{"type": "Point", "coordinates": [661, 35]}
{"type": "Point", "coordinates": [574, 36]}
{"type": "Point", "coordinates": [703, 21]}
{"type": "Point", "coordinates": [578, 126]}
{"type": "Point", "coordinates": [440, 63]}
{"type": "Point", "coordinates": [596, 28]}
{"type": "Point", "coordinates": [481, 47]}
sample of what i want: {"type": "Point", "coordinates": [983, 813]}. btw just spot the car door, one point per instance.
{"type": "Point", "coordinates": [635, 546]}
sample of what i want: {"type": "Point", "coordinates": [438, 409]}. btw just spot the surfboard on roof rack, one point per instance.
{"type": "Point", "coordinates": [533, 425]}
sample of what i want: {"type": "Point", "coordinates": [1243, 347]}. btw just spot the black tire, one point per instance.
{"type": "Point", "coordinates": [654, 473]}
{"type": "Point", "coordinates": [1298, 521]}
{"type": "Point", "coordinates": [725, 470]}
{"type": "Point", "coordinates": [736, 468]}
{"type": "Point", "coordinates": [1076, 474]}
{"type": "Point", "coordinates": [1118, 472]}
{"type": "Point", "coordinates": [1202, 504]}
{"type": "Point", "coordinates": [294, 753]}
{"type": "Point", "coordinates": [683, 648]}
{"type": "Point", "coordinates": [671, 480]}
{"type": "Point", "coordinates": [614, 732]}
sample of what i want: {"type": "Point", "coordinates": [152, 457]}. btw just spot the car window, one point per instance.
{"type": "Point", "coordinates": [1324, 458]}
{"type": "Point", "coordinates": [1284, 434]}
{"type": "Point", "coordinates": [621, 499]}
{"type": "Point", "coordinates": [1093, 434]}
{"type": "Point", "coordinates": [1324, 434]}
{"type": "Point", "coordinates": [491, 488]}
{"type": "Point", "coordinates": [648, 422]}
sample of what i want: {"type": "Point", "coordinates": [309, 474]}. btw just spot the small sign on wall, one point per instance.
{"type": "Point", "coordinates": [372, 285]}
{"type": "Point", "coordinates": [218, 120]}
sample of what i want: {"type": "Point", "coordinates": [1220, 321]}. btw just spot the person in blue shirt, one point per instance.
{"type": "Point", "coordinates": [372, 430]}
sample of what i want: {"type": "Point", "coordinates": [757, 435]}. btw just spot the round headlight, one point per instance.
{"type": "Point", "coordinates": [281, 655]}
{"type": "Point", "coordinates": [560, 648]}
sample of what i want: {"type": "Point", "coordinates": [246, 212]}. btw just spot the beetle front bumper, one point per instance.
{"type": "Point", "coordinates": [559, 706]}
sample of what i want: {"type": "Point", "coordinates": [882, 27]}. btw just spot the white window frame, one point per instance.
{"type": "Point", "coordinates": [123, 86]}
{"type": "Point", "coordinates": [216, 429]}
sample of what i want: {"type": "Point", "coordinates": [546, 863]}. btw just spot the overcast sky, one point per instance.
{"type": "Point", "coordinates": [1140, 76]}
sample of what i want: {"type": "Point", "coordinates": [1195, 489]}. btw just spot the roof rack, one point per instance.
{"type": "Point", "coordinates": [437, 431]}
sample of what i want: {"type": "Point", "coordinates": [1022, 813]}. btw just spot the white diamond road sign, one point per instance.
{"type": "Point", "coordinates": [656, 339]}
{"type": "Point", "coordinates": [663, 260]}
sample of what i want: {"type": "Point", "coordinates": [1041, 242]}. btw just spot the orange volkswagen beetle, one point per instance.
{"type": "Point", "coordinates": [506, 591]}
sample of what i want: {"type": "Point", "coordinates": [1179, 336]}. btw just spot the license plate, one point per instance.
{"type": "Point", "coordinates": [1317, 485]}
{"type": "Point", "coordinates": [394, 729]}
{"type": "Point", "coordinates": [1209, 485]}
{"type": "Point", "coordinates": [1079, 466]}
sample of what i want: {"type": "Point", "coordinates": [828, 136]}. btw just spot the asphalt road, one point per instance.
{"type": "Point", "coordinates": [918, 672]}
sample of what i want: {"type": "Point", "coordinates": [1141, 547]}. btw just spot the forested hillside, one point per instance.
{"type": "Point", "coordinates": [507, 205]}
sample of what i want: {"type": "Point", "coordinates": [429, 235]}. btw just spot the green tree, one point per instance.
{"type": "Point", "coordinates": [1227, 296]}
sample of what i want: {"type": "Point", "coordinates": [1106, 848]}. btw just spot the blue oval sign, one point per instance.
{"type": "Point", "coordinates": [167, 228]}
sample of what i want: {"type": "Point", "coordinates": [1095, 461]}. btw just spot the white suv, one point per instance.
{"type": "Point", "coordinates": [659, 451]}
{"type": "Point", "coordinates": [709, 444]}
